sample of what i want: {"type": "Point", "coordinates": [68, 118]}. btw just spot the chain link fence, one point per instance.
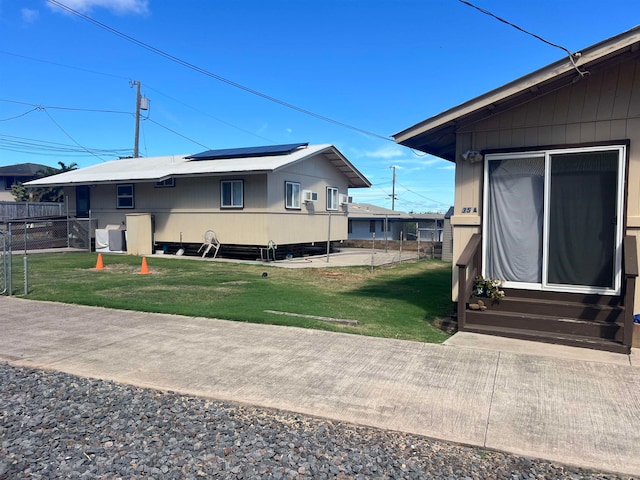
{"type": "Point", "coordinates": [49, 233]}
{"type": "Point", "coordinates": [20, 237]}
{"type": "Point", "coordinates": [5, 251]}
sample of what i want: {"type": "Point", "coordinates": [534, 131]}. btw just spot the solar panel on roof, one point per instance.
{"type": "Point", "coordinates": [264, 151]}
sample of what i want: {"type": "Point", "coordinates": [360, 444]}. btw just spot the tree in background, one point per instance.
{"type": "Point", "coordinates": [42, 194]}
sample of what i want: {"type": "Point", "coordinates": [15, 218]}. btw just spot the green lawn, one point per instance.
{"type": "Point", "coordinates": [394, 302]}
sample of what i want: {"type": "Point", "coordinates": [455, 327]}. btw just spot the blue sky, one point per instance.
{"type": "Point", "coordinates": [379, 66]}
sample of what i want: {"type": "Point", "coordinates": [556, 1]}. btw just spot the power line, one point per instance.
{"type": "Point", "coordinates": [62, 65]}
{"type": "Point", "coordinates": [422, 196]}
{"type": "Point", "coordinates": [146, 86]}
{"type": "Point", "coordinates": [176, 133]}
{"type": "Point", "coordinates": [201, 70]}
{"type": "Point", "coordinates": [572, 55]}
{"type": "Point", "coordinates": [42, 107]}
{"type": "Point", "coordinates": [21, 115]}
{"type": "Point", "coordinates": [67, 134]}
{"type": "Point", "coordinates": [208, 114]}
{"type": "Point", "coordinates": [46, 146]}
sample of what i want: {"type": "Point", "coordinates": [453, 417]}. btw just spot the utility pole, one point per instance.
{"type": "Point", "coordinates": [137, 136]}
{"type": "Point", "coordinates": [142, 103]}
{"type": "Point", "coordinates": [393, 188]}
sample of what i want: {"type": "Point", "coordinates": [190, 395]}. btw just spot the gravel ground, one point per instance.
{"type": "Point", "coordinates": [55, 425]}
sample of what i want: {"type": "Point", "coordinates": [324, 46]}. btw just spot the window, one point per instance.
{"type": "Point", "coordinates": [291, 195]}
{"type": "Point", "coordinates": [332, 198]}
{"type": "Point", "coordinates": [9, 181]}
{"type": "Point", "coordinates": [231, 194]}
{"type": "Point", "coordinates": [166, 183]}
{"type": "Point", "coordinates": [125, 197]}
{"type": "Point", "coordinates": [372, 226]}
{"type": "Point", "coordinates": [350, 226]}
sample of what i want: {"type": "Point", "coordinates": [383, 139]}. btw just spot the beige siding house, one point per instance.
{"type": "Point", "coordinates": [547, 197]}
{"type": "Point", "coordinates": [286, 194]}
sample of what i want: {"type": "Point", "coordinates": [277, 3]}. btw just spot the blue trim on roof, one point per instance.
{"type": "Point", "coordinates": [264, 151]}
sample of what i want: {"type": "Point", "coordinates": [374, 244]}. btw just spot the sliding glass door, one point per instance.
{"type": "Point", "coordinates": [552, 219]}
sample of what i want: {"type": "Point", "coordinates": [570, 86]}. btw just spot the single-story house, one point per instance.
{"type": "Point", "coordinates": [367, 221]}
{"type": "Point", "coordinates": [430, 226]}
{"type": "Point", "coordinates": [288, 195]}
{"type": "Point", "coordinates": [18, 173]}
{"type": "Point", "coordinates": [447, 236]}
{"type": "Point", "coordinates": [547, 198]}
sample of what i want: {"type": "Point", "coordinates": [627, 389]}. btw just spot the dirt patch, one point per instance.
{"type": "Point", "coordinates": [123, 268]}
{"type": "Point", "coordinates": [331, 273]}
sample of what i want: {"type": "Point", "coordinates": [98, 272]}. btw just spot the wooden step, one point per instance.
{"type": "Point", "coordinates": [545, 323]}
{"type": "Point", "coordinates": [555, 338]}
{"type": "Point", "coordinates": [557, 308]}
{"type": "Point", "coordinates": [582, 298]}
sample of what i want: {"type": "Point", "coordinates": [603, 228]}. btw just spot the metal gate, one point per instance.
{"type": "Point", "coordinates": [5, 263]}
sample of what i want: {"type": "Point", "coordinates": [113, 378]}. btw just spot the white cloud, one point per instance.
{"type": "Point", "coordinates": [388, 151]}
{"type": "Point", "coordinates": [29, 15]}
{"type": "Point", "coordinates": [140, 7]}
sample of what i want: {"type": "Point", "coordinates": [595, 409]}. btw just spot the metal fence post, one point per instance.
{"type": "Point", "coordinates": [25, 264]}
{"type": "Point", "coordinates": [89, 227]}
{"type": "Point", "coordinates": [10, 253]}
{"type": "Point", "coordinates": [329, 239]}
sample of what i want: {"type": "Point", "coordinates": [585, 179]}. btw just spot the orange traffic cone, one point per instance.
{"type": "Point", "coordinates": [99, 264]}
{"type": "Point", "coordinates": [144, 270]}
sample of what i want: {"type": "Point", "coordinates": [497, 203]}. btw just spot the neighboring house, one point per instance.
{"type": "Point", "coordinates": [291, 195]}
{"type": "Point", "coordinates": [447, 236]}
{"type": "Point", "coordinates": [366, 220]}
{"type": "Point", "coordinates": [547, 197]}
{"type": "Point", "coordinates": [430, 226]}
{"type": "Point", "coordinates": [18, 173]}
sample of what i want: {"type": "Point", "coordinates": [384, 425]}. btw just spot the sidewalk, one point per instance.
{"type": "Point", "coordinates": [580, 412]}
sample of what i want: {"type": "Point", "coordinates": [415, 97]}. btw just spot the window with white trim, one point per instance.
{"type": "Point", "coordinates": [124, 196]}
{"type": "Point", "coordinates": [231, 194]}
{"type": "Point", "coordinates": [292, 195]}
{"type": "Point", "coordinates": [332, 198]}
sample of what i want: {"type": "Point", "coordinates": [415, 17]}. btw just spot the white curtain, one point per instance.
{"type": "Point", "coordinates": [516, 217]}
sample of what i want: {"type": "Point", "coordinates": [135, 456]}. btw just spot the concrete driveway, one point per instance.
{"type": "Point", "coordinates": [583, 411]}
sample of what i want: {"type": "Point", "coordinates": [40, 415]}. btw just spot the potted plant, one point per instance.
{"type": "Point", "coordinates": [489, 288]}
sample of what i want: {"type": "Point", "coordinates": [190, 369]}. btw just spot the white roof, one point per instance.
{"type": "Point", "coordinates": [367, 210]}
{"type": "Point", "coordinates": [152, 169]}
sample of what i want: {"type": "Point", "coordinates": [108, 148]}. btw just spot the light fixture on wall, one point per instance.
{"type": "Point", "coordinates": [472, 156]}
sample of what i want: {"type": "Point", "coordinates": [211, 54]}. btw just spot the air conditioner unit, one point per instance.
{"type": "Point", "coordinates": [344, 199]}
{"type": "Point", "coordinates": [309, 196]}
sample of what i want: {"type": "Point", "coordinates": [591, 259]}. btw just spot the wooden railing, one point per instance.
{"type": "Point", "coordinates": [469, 266]}
{"type": "Point", "coordinates": [630, 272]}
